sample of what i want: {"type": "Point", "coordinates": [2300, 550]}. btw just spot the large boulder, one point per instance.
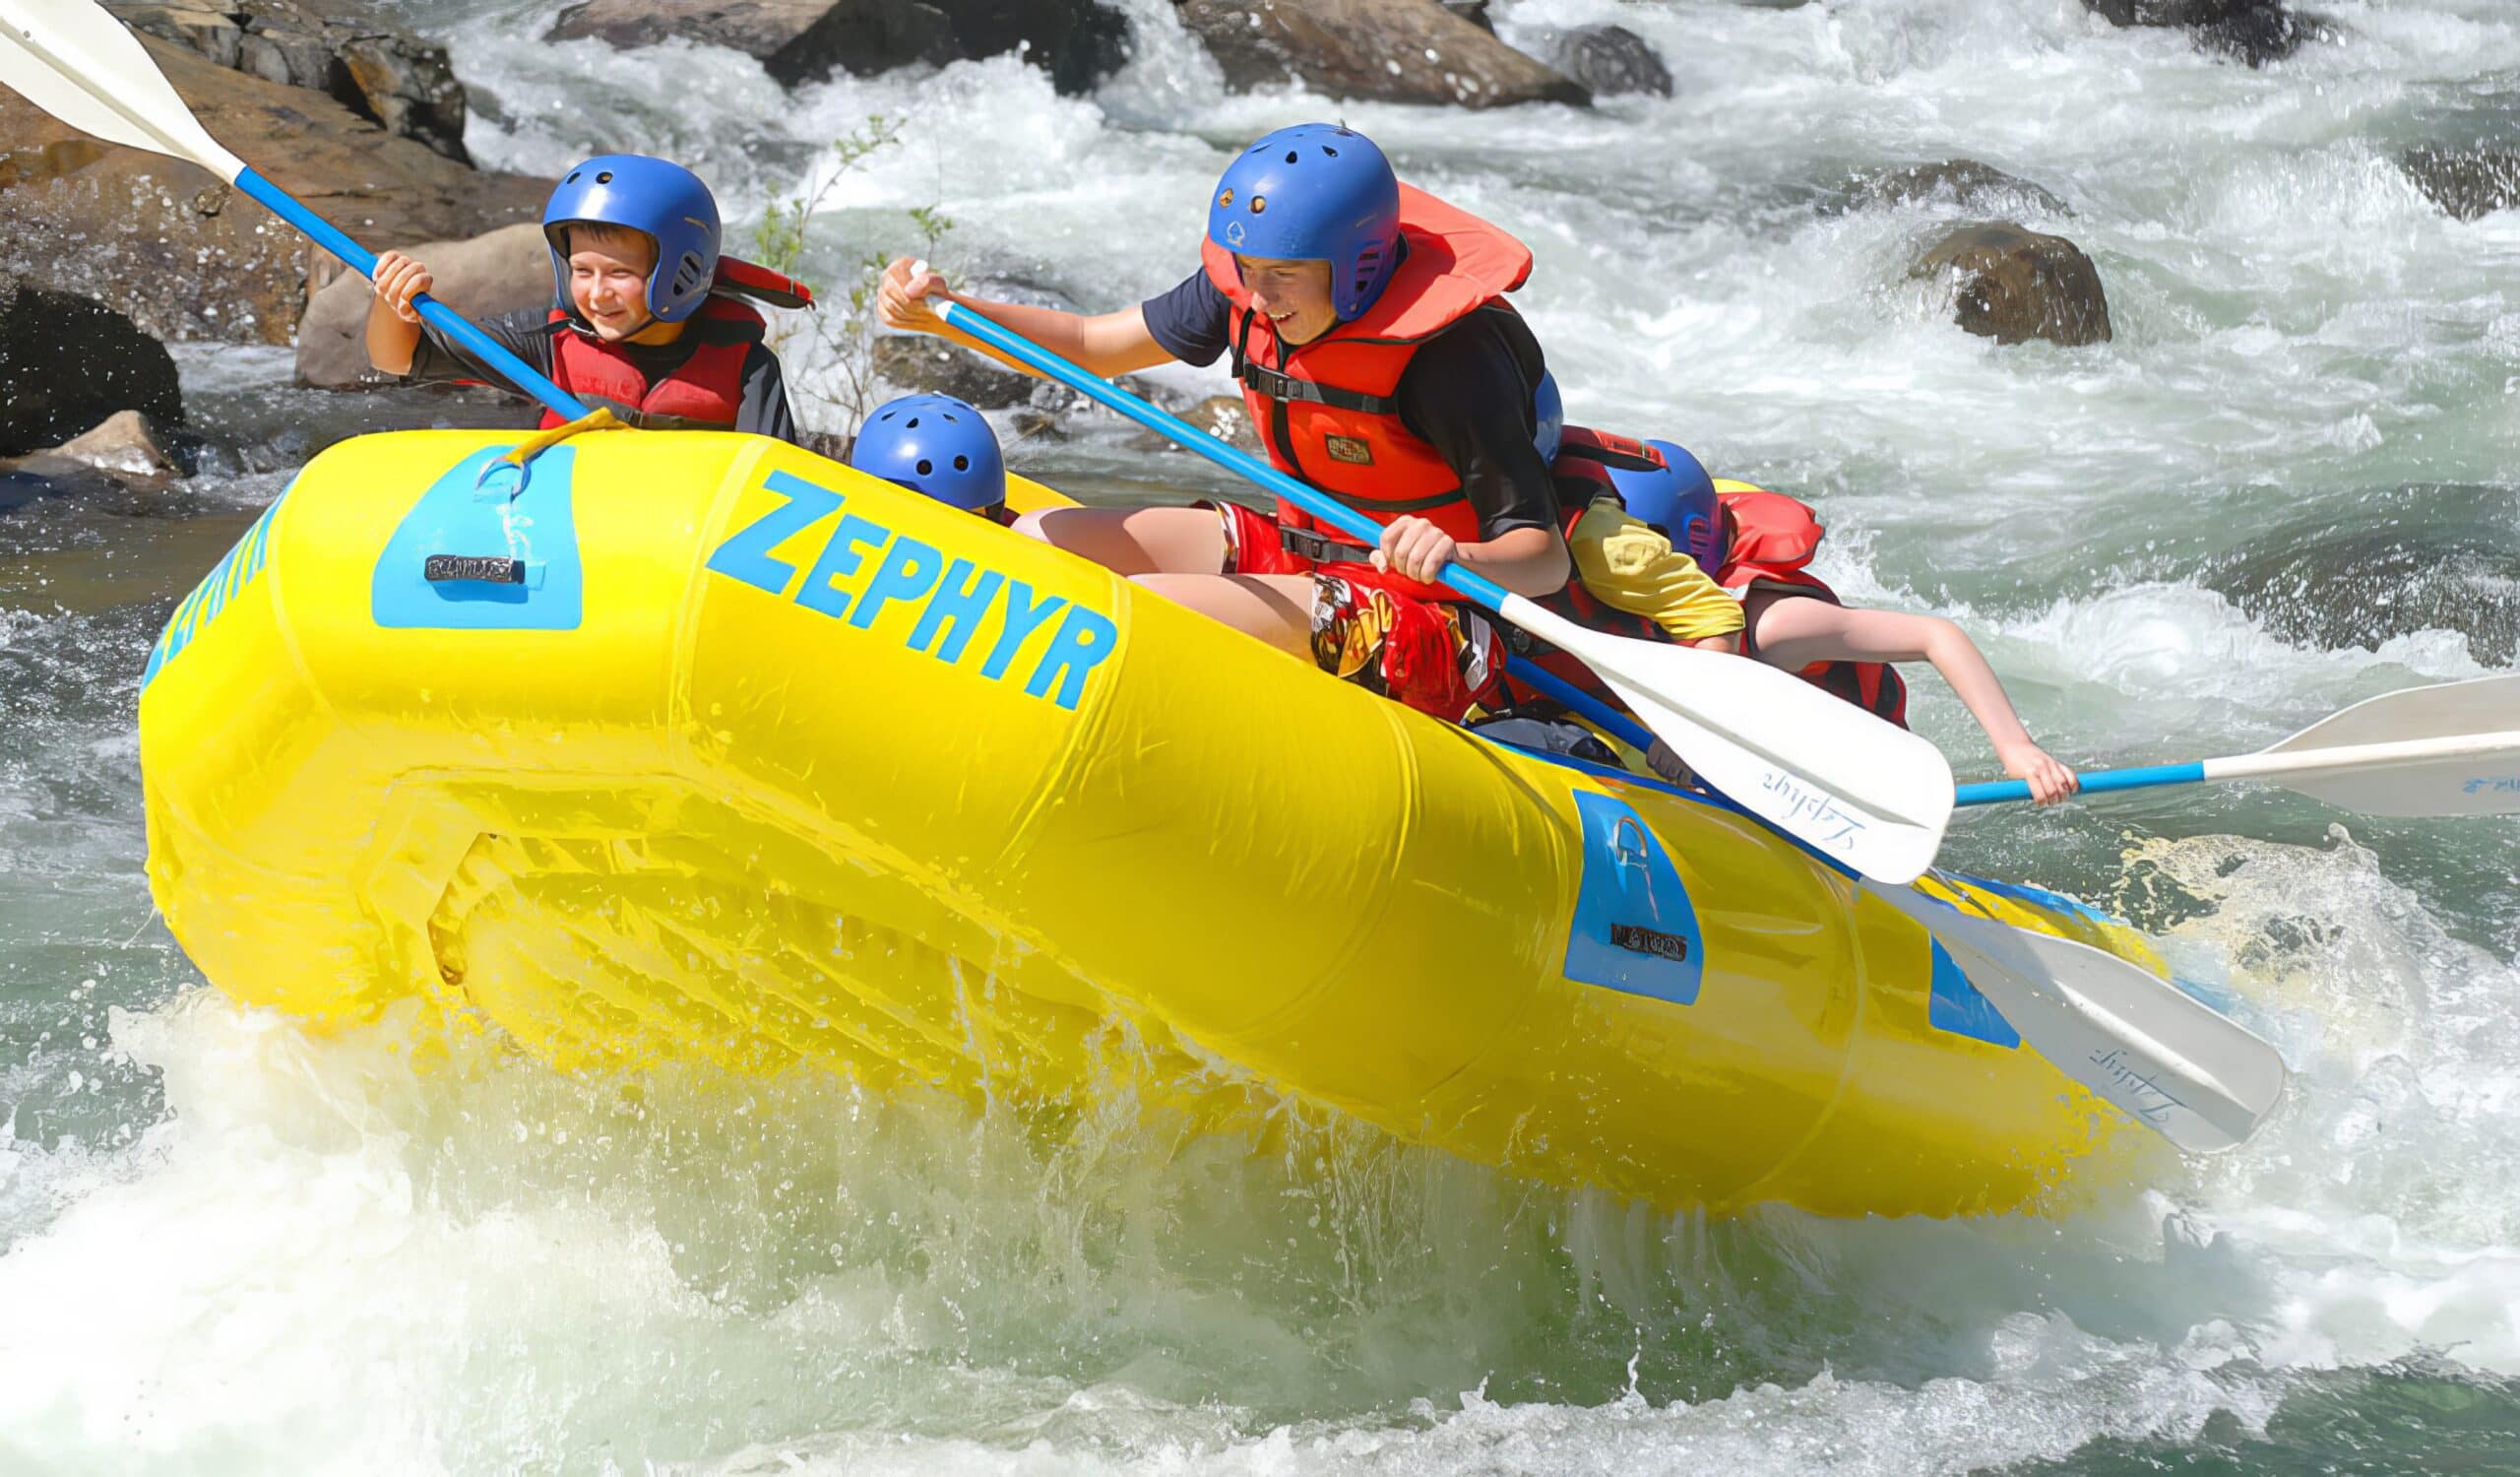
{"type": "Point", "coordinates": [2257, 31]}
{"type": "Point", "coordinates": [2469, 184]}
{"type": "Point", "coordinates": [2010, 285]}
{"type": "Point", "coordinates": [1609, 60]}
{"type": "Point", "coordinates": [1078, 41]}
{"type": "Point", "coordinates": [381, 72]}
{"type": "Point", "coordinates": [67, 362]}
{"type": "Point", "coordinates": [1384, 50]}
{"type": "Point", "coordinates": [499, 272]}
{"type": "Point", "coordinates": [1963, 182]}
{"type": "Point", "coordinates": [186, 256]}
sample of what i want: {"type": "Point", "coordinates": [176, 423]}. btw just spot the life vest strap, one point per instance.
{"type": "Point", "coordinates": [1321, 549]}
{"type": "Point", "coordinates": [1278, 386]}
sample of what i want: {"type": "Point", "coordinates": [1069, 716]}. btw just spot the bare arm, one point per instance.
{"type": "Point", "coordinates": [393, 325]}
{"type": "Point", "coordinates": [1792, 632]}
{"type": "Point", "coordinates": [1106, 344]}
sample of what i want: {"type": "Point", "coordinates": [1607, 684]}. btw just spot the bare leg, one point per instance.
{"type": "Point", "coordinates": [1276, 607]}
{"type": "Point", "coordinates": [1134, 541]}
{"type": "Point", "coordinates": [1179, 554]}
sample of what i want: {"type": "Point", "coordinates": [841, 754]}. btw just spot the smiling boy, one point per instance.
{"type": "Point", "coordinates": [645, 321]}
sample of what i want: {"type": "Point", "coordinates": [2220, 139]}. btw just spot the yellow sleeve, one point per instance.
{"type": "Point", "coordinates": [1627, 565]}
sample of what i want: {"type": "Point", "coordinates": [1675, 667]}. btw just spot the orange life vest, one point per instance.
{"type": "Point", "coordinates": [1327, 410]}
{"type": "Point", "coordinates": [1773, 537]}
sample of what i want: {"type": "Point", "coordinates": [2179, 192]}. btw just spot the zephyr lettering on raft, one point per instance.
{"type": "Point", "coordinates": [1819, 804]}
{"type": "Point", "coordinates": [953, 598]}
{"type": "Point", "coordinates": [2492, 784]}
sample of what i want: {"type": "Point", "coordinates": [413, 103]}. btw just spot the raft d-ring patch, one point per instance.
{"type": "Point", "coordinates": [1634, 927]}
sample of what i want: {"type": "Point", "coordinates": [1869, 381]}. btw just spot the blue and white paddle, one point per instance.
{"type": "Point", "coordinates": [2448, 749]}
{"type": "Point", "coordinates": [77, 62]}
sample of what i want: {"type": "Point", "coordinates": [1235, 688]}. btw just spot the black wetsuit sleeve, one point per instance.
{"type": "Point", "coordinates": [765, 411]}
{"type": "Point", "coordinates": [1190, 322]}
{"type": "Point", "coordinates": [437, 360]}
{"type": "Point", "coordinates": [1468, 392]}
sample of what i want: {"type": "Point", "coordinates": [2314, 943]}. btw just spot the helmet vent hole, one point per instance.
{"type": "Point", "coordinates": [925, 466]}
{"type": "Point", "coordinates": [961, 463]}
{"type": "Point", "coordinates": [573, 176]}
{"type": "Point", "coordinates": [1333, 153]}
{"type": "Point", "coordinates": [913, 424]}
{"type": "Point", "coordinates": [1259, 203]}
{"type": "Point", "coordinates": [604, 179]}
{"type": "Point", "coordinates": [1292, 157]}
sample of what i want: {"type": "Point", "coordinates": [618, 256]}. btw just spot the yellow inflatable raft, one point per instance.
{"type": "Point", "coordinates": [676, 745]}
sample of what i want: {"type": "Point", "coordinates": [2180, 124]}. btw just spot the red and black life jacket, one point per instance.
{"type": "Point", "coordinates": [705, 392]}
{"type": "Point", "coordinates": [1773, 537]}
{"type": "Point", "coordinates": [1327, 409]}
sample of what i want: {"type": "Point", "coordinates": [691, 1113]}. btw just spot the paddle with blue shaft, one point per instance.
{"type": "Point", "coordinates": [1864, 792]}
{"type": "Point", "coordinates": [2448, 749]}
{"type": "Point", "coordinates": [2169, 1059]}
{"type": "Point", "coordinates": [78, 63]}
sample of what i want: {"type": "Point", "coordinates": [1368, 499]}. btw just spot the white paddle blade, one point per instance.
{"type": "Point", "coordinates": [2168, 1059]}
{"type": "Point", "coordinates": [78, 63]}
{"type": "Point", "coordinates": [2483, 781]}
{"type": "Point", "coordinates": [1866, 794]}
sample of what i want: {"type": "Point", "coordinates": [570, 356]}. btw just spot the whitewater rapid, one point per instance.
{"type": "Point", "coordinates": [228, 1245]}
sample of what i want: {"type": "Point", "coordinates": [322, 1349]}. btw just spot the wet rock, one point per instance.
{"type": "Point", "coordinates": [2256, 32]}
{"type": "Point", "coordinates": [499, 272]}
{"type": "Point", "coordinates": [1222, 415]}
{"type": "Point", "coordinates": [1962, 183]}
{"type": "Point", "coordinates": [1029, 424]}
{"type": "Point", "coordinates": [2469, 184]}
{"type": "Point", "coordinates": [921, 362]}
{"type": "Point", "coordinates": [183, 254]}
{"type": "Point", "coordinates": [378, 71]}
{"type": "Point", "coordinates": [67, 362]}
{"type": "Point", "coordinates": [120, 455]}
{"type": "Point", "coordinates": [1077, 42]}
{"type": "Point", "coordinates": [2406, 559]}
{"type": "Point", "coordinates": [2011, 284]}
{"type": "Point", "coordinates": [1472, 11]}
{"type": "Point", "coordinates": [1611, 60]}
{"type": "Point", "coordinates": [1384, 50]}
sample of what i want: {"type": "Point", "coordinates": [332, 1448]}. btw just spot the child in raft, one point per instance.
{"type": "Point", "coordinates": [1368, 327]}
{"type": "Point", "coordinates": [1759, 544]}
{"type": "Point", "coordinates": [939, 446]}
{"type": "Point", "coordinates": [645, 320]}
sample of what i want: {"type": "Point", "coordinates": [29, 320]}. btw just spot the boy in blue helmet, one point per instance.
{"type": "Point", "coordinates": [1367, 324]}
{"type": "Point", "coordinates": [937, 445]}
{"type": "Point", "coordinates": [645, 320]}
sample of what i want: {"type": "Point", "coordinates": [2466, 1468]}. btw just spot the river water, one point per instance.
{"type": "Point", "coordinates": [227, 1246]}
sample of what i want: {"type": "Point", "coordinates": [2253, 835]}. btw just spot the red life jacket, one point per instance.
{"type": "Point", "coordinates": [705, 392]}
{"type": "Point", "coordinates": [1326, 409]}
{"type": "Point", "coordinates": [1773, 537]}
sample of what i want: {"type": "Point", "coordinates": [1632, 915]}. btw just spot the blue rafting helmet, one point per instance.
{"type": "Point", "coordinates": [1679, 500]}
{"type": "Point", "coordinates": [1549, 408]}
{"type": "Point", "coordinates": [933, 444]}
{"type": "Point", "coordinates": [1314, 192]}
{"type": "Point", "coordinates": [657, 197]}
